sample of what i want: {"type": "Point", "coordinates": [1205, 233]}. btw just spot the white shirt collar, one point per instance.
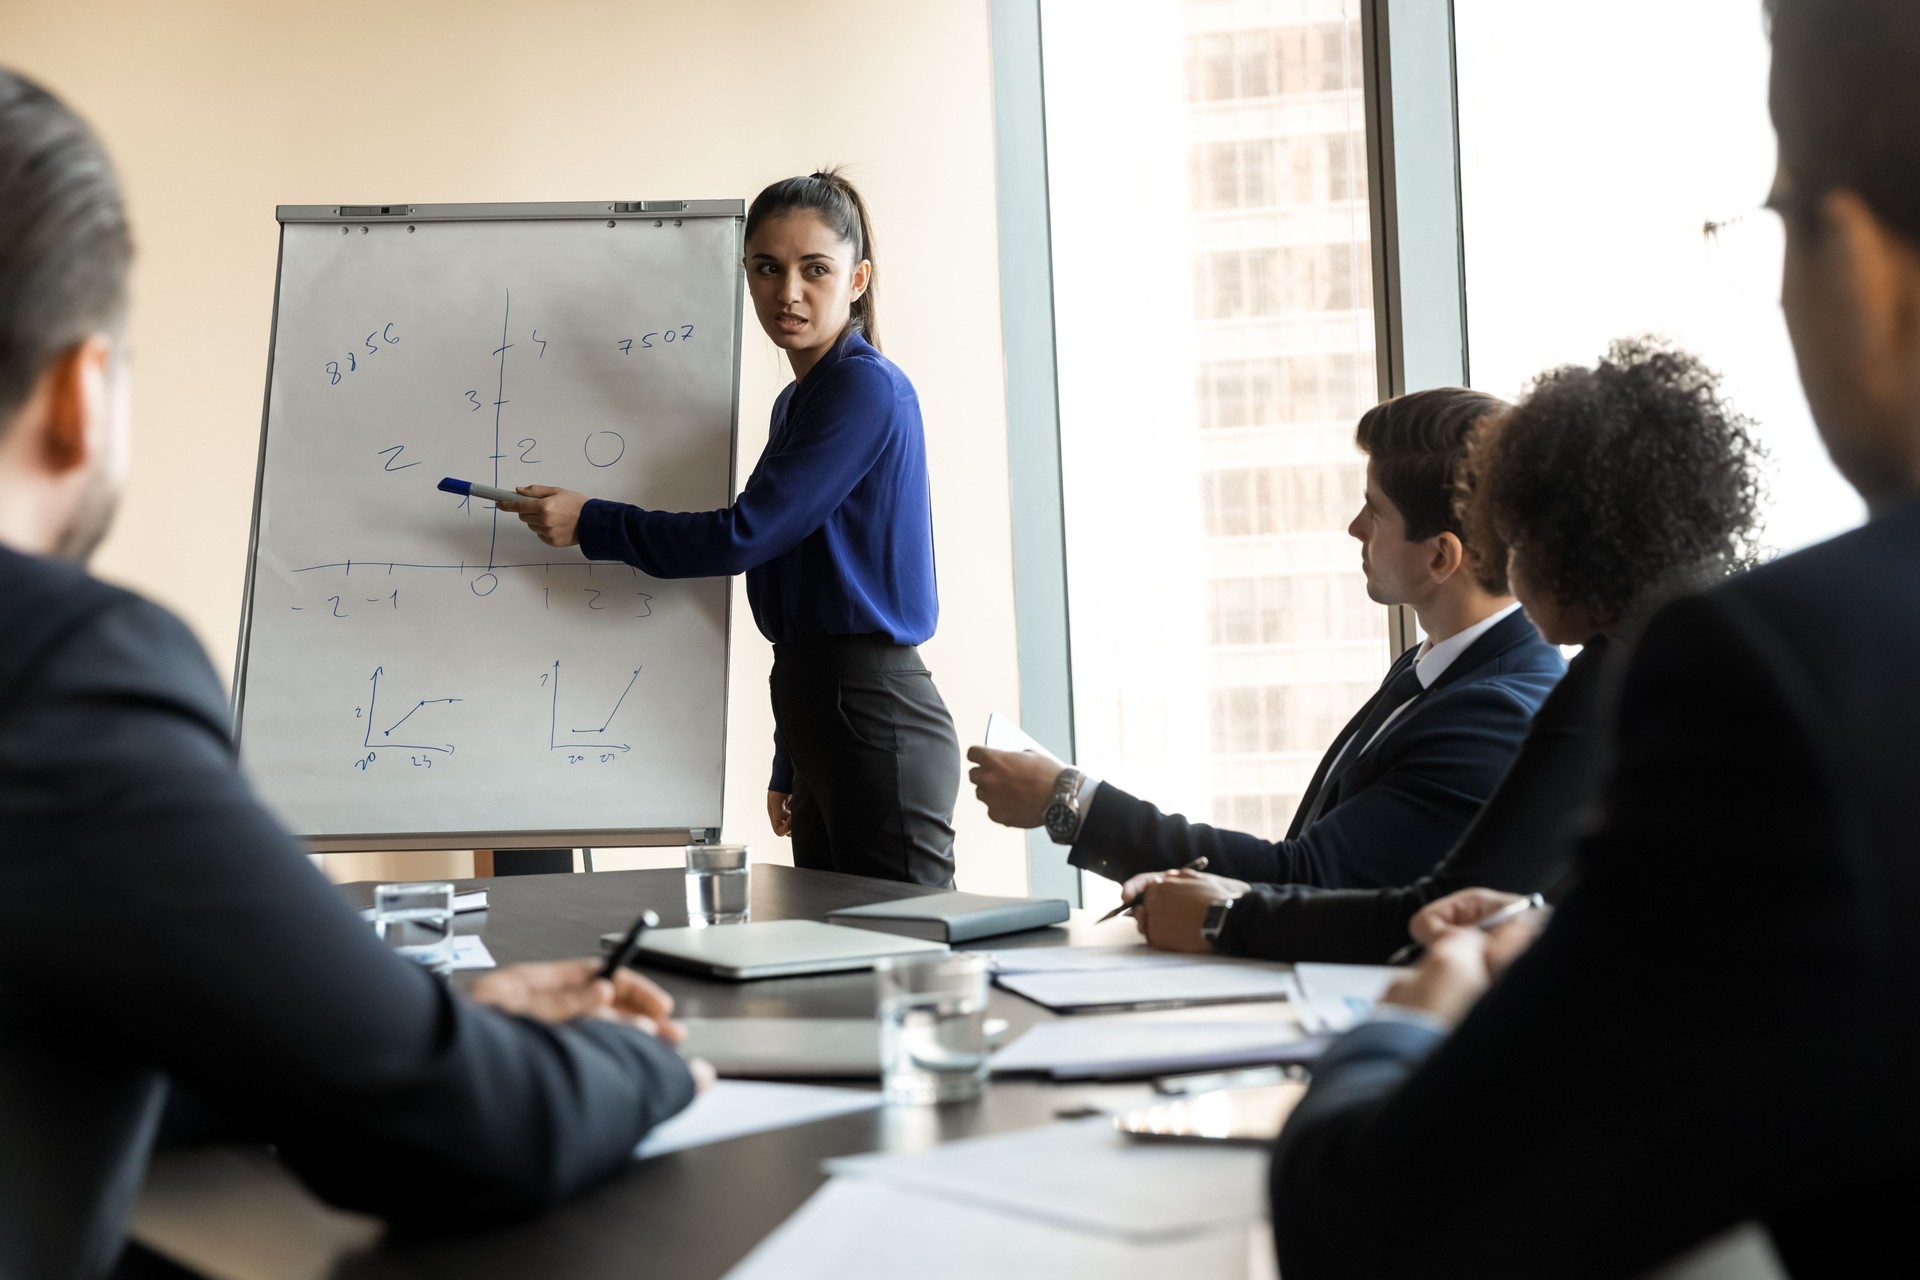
{"type": "Point", "coordinates": [1434, 658]}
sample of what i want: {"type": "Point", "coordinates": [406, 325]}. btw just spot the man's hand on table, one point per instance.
{"type": "Point", "coordinates": [555, 991]}
{"type": "Point", "coordinates": [1462, 961]}
{"type": "Point", "coordinates": [1174, 905]}
{"type": "Point", "coordinates": [1016, 786]}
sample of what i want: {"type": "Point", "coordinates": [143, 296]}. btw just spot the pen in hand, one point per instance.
{"type": "Point", "coordinates": [1486, 924]}
{"type": "Point", "coordinates": [629, 945]}
{"type": "Point", "coordinates": [1198, 864]}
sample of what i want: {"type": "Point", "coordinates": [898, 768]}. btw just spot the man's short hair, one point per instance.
{"type": "Point", "coordinates": [1845, 97]}
{"type": "Point", "coordinates": [64, 242]}
{"type": "Point", "coordinates": [1418, 444]}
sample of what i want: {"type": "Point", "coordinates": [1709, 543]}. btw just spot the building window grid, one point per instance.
{"type": "Point", "coordinates": [1272, 61]}
{"type": "Point", "coordinates": [1299, 719]}
{"type": "Point", "coordinates": [1234, 284]}
{"type": "Point", "coordinates": [1309, 609]}
{"type": "Point", "coordinates": [1257, 502]}
{"type": "Point", "coordinates": [1287, 390]}
{"type": "Point", "coordinates": [1275, 173]}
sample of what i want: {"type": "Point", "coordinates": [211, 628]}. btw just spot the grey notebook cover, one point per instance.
{"type": "Point", "coordinates": [785, 1048]}
{"type": "Point", "coordinates": [954, 917]}
{"type": "Point", "coordinates": [772, 948]}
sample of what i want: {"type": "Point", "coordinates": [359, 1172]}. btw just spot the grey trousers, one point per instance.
{"type": "Point", "coordinates": [876, 761]}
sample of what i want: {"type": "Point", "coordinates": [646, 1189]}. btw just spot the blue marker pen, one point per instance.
{"type": "Point", "coordinates": [467, 487]}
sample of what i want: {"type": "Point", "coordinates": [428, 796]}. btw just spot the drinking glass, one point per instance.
{"type": "Point", "coordinates": [933, 1033]}
{"type": "Point", "coordinates": [718, 880]}
{"type": "Point", "coordinates": [416, 920]}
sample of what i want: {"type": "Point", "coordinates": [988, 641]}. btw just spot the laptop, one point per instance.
{"type": "Point", "coordinates": [771, 948]}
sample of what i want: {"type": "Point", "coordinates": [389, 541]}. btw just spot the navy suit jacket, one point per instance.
{"type": "Point", "coordinates": [1392, 814]}
{"type": "Point", "coordinates": [1720, 1022]}
{"type": "Point", "coordinates": [158, 926]}
{"type": "Point", "coordinates": [1521, 842]}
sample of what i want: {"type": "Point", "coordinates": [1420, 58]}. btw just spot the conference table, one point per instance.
{"type": "Point", "coordinates": [694, 1213]}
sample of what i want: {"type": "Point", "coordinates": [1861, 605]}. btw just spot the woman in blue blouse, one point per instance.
{"type": "Point", "coordinates": [834, 531]}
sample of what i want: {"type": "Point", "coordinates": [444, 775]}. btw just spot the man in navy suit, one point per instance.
{"type": "Point", "coordinates": [158, 929]}
{"type": "Point", "coordinates": [1719, 1024]}
{"type": "Point", "coordinates": [1415, 763]}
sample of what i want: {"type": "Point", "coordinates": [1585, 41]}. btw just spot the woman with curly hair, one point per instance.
{"type": "Point", "coordinates": [1610, 489]}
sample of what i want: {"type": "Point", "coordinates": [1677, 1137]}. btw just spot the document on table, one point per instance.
{"type": "Point", "coordinates": [867, 1229]}
{"type": "Point", "coordinates": [736, 1108]}
{"type": "Point", "coordinates": [470, 952]}
{"type": "Point", "coordinates": [1083, 1048]}
{"type": "Point", "coordinates": [1004, 734]}
{"type": "Point", "coordinates": [1335, 996]}
{"type": "Point", "coordinates": [1083, 959]}
{"type": "Point", "coordinates": [1085, 1176]}
{"type": "Point", "coordinates": [473, 900]}
{"type": "Point", "coordinates": [1163, 986]}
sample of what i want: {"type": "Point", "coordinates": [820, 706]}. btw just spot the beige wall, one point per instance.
{"type": "Point", "coordinates": [217, 110]}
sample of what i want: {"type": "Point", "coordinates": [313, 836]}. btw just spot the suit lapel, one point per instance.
{"type": "Point", "coordinates": [1306, 805]}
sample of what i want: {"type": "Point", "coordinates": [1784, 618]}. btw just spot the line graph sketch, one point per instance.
{"type": "Point", "coordinates": [372, 738]}
{"type": "Point", "coordinates": [553, 723]}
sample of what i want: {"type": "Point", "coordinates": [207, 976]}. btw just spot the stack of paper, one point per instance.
{"type": "Point", "coordinates": [1066, 1199]}
{"type": "Point", "coordinates": [1153, 986]}
{"type": "Point", "coordinates": [736, 1108]}
{"type": "Point", "coordinates": [857, 1229]}
{"type": "Point", "coordinates": [1098, 1048]}
{"type": "Point", "coordinates": [1335, 996]}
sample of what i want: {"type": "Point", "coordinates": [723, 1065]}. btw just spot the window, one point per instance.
{"type": "Point", "coordinates": [1561, 258]}
{"type": "Point", "coordinates": [1214, 349]}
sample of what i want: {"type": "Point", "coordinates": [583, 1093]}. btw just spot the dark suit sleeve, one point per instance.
{"type": "Point", "coordinates": [1662, 1063]}
{"type": "Point", "coordinates": [1521, 842]}
{"type": "Point", "coordinates": [174, 924]}
{"type": "Point", "coordinates": [1435, 773]}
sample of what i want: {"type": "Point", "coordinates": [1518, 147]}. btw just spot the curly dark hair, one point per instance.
{"type": "Point", "coordinates": [1618, 483]}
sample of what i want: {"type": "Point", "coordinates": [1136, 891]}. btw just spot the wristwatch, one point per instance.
{"type": "Point", "coordinates": [1062, 818]}
{"type": "Point", "coordinates": [1215, 920]}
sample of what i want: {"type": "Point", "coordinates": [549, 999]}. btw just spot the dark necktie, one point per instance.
{"type": "Point", "coordinates": [1400, 687]}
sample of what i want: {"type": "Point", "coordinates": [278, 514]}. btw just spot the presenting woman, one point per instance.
{"type": "Point", "coordinates": [834, 532]}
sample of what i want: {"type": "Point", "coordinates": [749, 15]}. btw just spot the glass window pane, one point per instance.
{"type": "Point", "coordinates": [1215, 346]}
{"type": "Point", "coordinates": [1559, 264]}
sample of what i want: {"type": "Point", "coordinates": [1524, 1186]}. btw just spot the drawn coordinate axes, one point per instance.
{"type": "Point", "coordinates": [386, 735]}
{"type": "Point", "coordinates": [553, 723]}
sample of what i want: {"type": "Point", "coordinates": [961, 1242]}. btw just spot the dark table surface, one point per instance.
{"type": "Point", "coordinates": [695, 1213]}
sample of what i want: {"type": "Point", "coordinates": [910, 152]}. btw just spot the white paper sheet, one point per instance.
{"type": "Point", "coordinates": [1076, 1048]}
{"type": "Point", "coordinates": [1082, 959]}
{"type": "Point", "coordinates": [1335, 996]}
{"type": "Point", "coordinates": [736, 1108]}
{"type": "Point", "coordinates": [1085, 1175]}
{"type": "Point", "coordinates": [1005, 734]}
{"type": "Point", "coordinates": [472, 900]}
{"type": "Point", "coordinates": [1147, 987]}
{"type": "Point", "coordinates": [862, 1229]}
{"type": "Point", "coordinates": [470, 952]}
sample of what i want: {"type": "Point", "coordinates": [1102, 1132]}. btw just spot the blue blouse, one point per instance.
{"type": "Point", "coordinates": [834, 528]}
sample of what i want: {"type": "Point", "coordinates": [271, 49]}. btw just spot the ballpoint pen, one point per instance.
{"type": "Point", "coordinates": [1486, 924]}
{"type": "Point", "coordinates": [1198, 864]}
{"type": "Point", "coordinates": [628, 945]}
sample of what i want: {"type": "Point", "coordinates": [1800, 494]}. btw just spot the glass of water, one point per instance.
{"type": "Point", "coordinates": [416, 920]}
{"type": "Point", "coordinates": [718, 880]}
{"type": "Point", "coordinates": [933, 1031]}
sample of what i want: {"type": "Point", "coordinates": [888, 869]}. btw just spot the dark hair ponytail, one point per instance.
{"type": "Point", "coordinates": [828, 194]}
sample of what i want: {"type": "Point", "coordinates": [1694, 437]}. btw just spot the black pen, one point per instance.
{"type": "Point", "coordinates": [1198, 864]}
{"type": "Point", "coordinates": [1487, 923]}
{"type": "Point", "coordinates": [629, 945]}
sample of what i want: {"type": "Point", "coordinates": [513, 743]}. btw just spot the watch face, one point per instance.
{"type": "Point", "coordinates": [1058, 819]}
